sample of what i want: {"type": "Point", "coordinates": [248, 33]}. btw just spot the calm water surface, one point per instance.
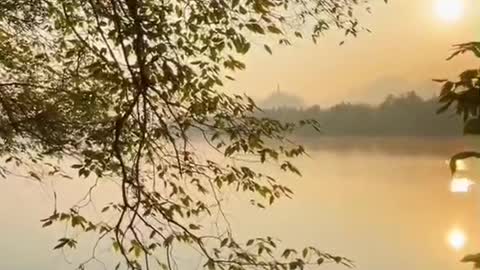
{"type": "Point", "coordinates": [385, 203]}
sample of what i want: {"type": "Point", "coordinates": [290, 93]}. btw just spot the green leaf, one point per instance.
{"type": "Point", "coordinates": [471, 258]}
{"type": "Point", "coordinates": [78, 220]}
{"type": "Point", "coordinates": [35, 175]}
{"type": "Point", "coordinates": [224, 242]}
{"type": "Point", "coordinates": [256, 28]}
{"type": "Point", "coordinates": [116, 246]}
{"type": "Point", "coordinates": [137, 250]}
{"type": "Point", "coordinates": [287, 253]}
{"type": "Point", "coordinates": [48, 223]}
{"type": "Point", "coordinates": [62, 242]}
{"type": "Point", "coordinates": [267, 48]}
{"type": "Point", "coordinates": [210, 264]}
{"type": "Point", "coordinates": [274, 29]}
{"type": "Point", "coordinates": [194, 227]}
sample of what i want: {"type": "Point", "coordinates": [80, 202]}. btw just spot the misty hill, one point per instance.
{"type": "Point", "coordinates": [406, 114]}
{"type": "Point", "coordinates": [375, 91]}
{"type": "Point", "coordinates": [281, 99]}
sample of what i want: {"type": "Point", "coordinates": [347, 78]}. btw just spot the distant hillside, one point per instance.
{"type": "Point", "coordinates": [375, 91]}
{"type": "Point", "coordinates": [281, 99]}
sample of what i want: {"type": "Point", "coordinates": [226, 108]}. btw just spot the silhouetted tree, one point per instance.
{"type": "Point", "coordinates": [117, 86]}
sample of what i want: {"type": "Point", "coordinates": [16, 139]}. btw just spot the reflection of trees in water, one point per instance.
{"type": "Point", "coordinates": [441, 146]}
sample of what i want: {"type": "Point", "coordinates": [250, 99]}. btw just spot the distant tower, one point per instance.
{"type": "Point", "coordinates": [280, 99]}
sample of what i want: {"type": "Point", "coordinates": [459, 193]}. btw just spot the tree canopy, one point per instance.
{"type": "Point", "coordinates": [115, 88]}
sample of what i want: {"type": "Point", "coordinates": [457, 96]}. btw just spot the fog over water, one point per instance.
{"type": "Point", "coordinates": [383, 202]}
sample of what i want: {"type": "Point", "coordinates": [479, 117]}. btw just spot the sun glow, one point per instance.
{"type": "Point", "coordinates": [449, 10]}
{"type": "Point", "coordinates": [457, 239]}
{"type": "Point", "coordinates": [460, 185]}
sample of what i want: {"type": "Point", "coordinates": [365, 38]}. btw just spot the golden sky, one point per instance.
{"type": "Point", "coordinates": [406, 49]}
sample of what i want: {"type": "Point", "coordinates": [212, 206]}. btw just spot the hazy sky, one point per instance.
{"type": "Point", "coordinates": [407, 48]}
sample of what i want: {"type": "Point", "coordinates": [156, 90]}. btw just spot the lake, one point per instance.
{"type": "Point", "coordinates": [383, 202]}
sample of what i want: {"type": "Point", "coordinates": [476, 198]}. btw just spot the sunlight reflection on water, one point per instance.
{"type": "Point", "coordinates": [460, 185]}
{"type": "Point", "coordinates": [460, 182]}
{"type": "Point", "coordinates": [457, 239]}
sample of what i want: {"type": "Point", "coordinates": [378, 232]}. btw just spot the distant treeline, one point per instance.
{"type": "Point", "coordinates": [402, 115]}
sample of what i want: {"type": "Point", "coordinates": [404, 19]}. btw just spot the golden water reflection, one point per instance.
{"type": "Point", "coordinates": [383, 210]}
{"type": "Point", "coordinates": [456, 239]}
{"type": "Point", "coordinates": [460, 185]}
